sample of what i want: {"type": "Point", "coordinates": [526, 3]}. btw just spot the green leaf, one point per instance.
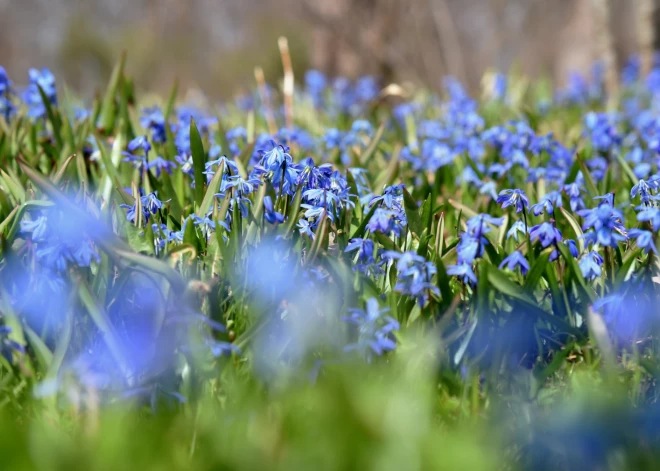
{"type": "Point", "coordinates": [537, 270]}
{"type": "Point", "coordinates": [442, 280]}
{"type": "Point", "coordinates": [294, 209]}
{"type": "Point", "coordinates": [623, 268]}
{"type": "Point", "coordinates": [412, 213]}
{"type": "Point", "coordinates": [359, 232]}
{"type": "Point", "coordinates": [60, 172]}
{"type": "Point", "coordinates": [199, 160]}
{"type": "Point", "coordinates": [576, 228]}
{"type": "Point", "coordinates": [373, 145]}
{"type": "Point", "coordinates": [109, 107]}
{"type": "Point", "coordinates": [213, 188]}
{"type": "Point", "coordinates": [53, 118]}
{"type": "Point", "coordinates": [171, 102]}
{"type": "Point", "coordinates": [41, 350]}
{"type": "Point", "coordinates": [628, 172]}
{"type": "Point", "coordinates": [588, 180]}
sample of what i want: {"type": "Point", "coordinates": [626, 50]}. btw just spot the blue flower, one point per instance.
{"type": "Point", "coordinates": [515, 198]}
{"type": "Point", "coordinates": [463, 270]}
{"type": "Point", "coordinates": [546, 233]}
{"type": "Point", "coordinates": [366, 256]}
{"type": "Point", "coordinates": [374, 329]}
{"type": "Point", "coordinates": [364, 247]}
{"type": "Point", "coordinates": [305, 228]}
{"type": "Point", "coordinates": [549, 202]}
{"type": "Point", "coordinates": [516, 259]}
{"type": "Point", "coordinates": [590, 265]}
{"type": "Point", "coordinates": [315, 84]}
{"type": "Point", "coordinates": [137, 144]}
{"type": "Point", "coordinates": [517, 227]}
{"type": "Point", "coordinates": [9, 347]}
{"type": "Point", "coordinates": [153, 119]}
{"type": "Point", "coordinates": [160, 164]}
{"type": "Point", "coordinates": [650, 214]}
{"type": "Point", "coordinates": [272, 216]}
{"type": "Point", "coordinates": [386, 221]}
{"type": "Point", "coordinates": [489, 188]}
{"type": "Point", "coordinates": [37, 227]}
{"type": "Point", "coordinates": [574, 191]}
{"type": "Point", "coordinates": [242, 186]}
{"type": "Point", "coordinates": [605, 221]}
{"type": "Point", "coordinates": [45, 80]}
{"type": "Point", "coordinates": [644, 240]}
{"type": "Point", "coordinates": [414, 277]}
{"type": "Point", "coordinates": [7, 107]}
{"type": "Point", "coordinates": [642, 189]}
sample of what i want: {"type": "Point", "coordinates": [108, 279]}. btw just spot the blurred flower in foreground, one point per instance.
{"type": "Point", "coordinates": [373, 329]}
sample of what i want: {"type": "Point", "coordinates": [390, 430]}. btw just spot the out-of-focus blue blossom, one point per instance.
{"type": "Point", "coordinates": [590, 265]}
{"type": "Point", "coordinates": [472, 245]}
{"type": "Point", "coordinates": [574, 192]}
{"type": "Point", "coordinates": [305, 228]}
{"type": "Point", "coordinates": [414, 275]}
{"type": "Point", "coordinates": [631, 70]}
{"type": "Point", "coordinates": [498, 91]}
{"type": "Point", "coordinates": [644, 240]}
{"type": "Point", "coordinates": [605, 221]}
{"type": "Point", "coordinates": [161, 165]}
{"type": "Point", "coordinates": [642, 189]}
{"type": "Point", "coordinates": [549, 202]}
{"type": "Point", "coordinates": [572, 247]}
{"type": "Point", "coordinates": [272, 216]}
{"type": "Point", "coordinates": [517, 227]}
{"type": "Point", "coordinates": [651, 215]}
{"type": "Point", "coordinates": [366, 89]}
{"type": "Point", "coordinates": [515, 198]}
{"type": "Point", "coordinates": [374, 329]}
{"type": "Point", "coordinates": [490, 189]}
{"type": "Point", "coordinates": [366, 256]}
{"type": "Point", "coordinates": [514, 260]}
{"type": "Point", "coordinates": [140, 143]}
{"type": "Point", "coordinates": [63, 238]}
{"type": "Point", "coordinates": [601, 130]}
{"type": "Point", "coordinates": [9, 347]}
{"type": "Point", "coordinates": [546, 233]}
{"type": "Point", "coordinates": [464, 271]}
{"type": "Point", "coordinates": [7, 107]}
{"type": "Point", "coordinates": [315, 84]}
{"type": "Point", "coordinates": [45, 80]}
{"type": "Point", "coordinates": [153, 120]}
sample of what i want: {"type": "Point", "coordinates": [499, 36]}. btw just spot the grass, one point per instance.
{"type": "Point", "coordinates": [164, 307]}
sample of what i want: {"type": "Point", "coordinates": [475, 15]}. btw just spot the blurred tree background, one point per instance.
{"type": "Point", "coordinates": [215, 44]}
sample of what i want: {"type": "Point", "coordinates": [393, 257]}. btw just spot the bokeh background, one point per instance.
{"type": "Point", "coordinates": [214, 45]}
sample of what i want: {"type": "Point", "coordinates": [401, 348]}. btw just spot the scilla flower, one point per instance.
{"type": "Point", "coordinates": [515, 198]}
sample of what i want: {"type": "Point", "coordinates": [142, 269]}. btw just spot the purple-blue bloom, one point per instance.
{"type": "Point", "coordinates": [644, 240]}
{"type": "Point", "coordinates": [374, 329]}
{"type": "Point", "coordinates": [590, 264]}
{"type": "Point", "coordinates": [513, 197]}
{"type": "Point", "coordinates": [514, 260]}
{"type": "Point", "coordinates": [546, 233]}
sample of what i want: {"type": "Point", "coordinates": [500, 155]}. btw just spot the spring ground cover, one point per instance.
{"type": "Point", "coordinates": [340, 274]}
